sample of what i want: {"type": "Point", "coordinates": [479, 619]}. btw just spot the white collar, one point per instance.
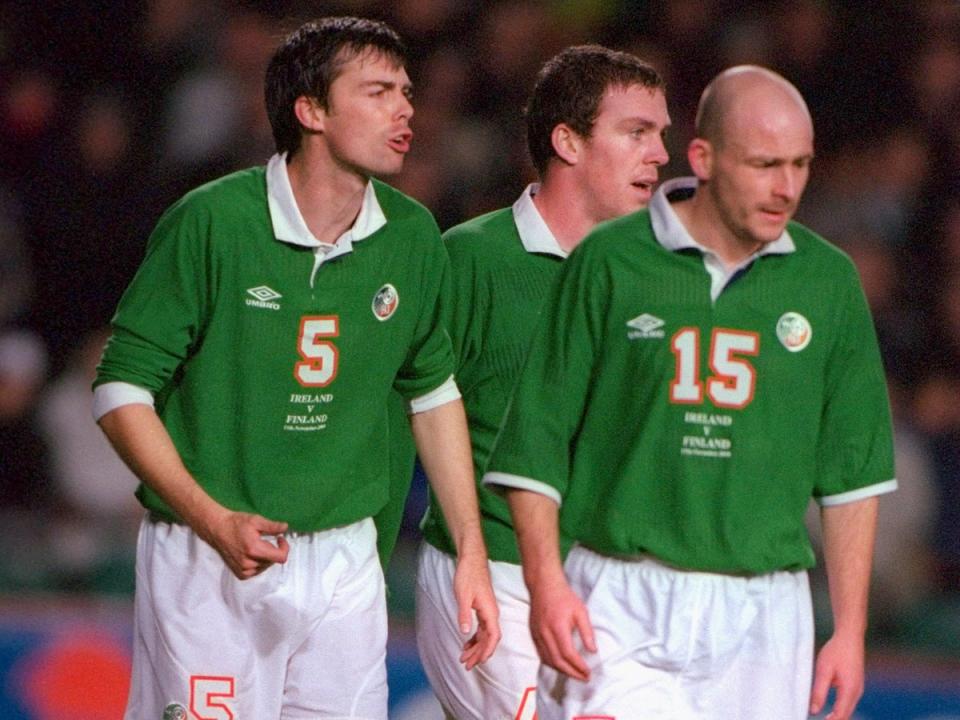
{"type": "Point", "coordinates": [534, 232]}
{"type": "Point", "coordinates": [289, 225]}
{"type": "Point", "coordinates": [672, 234]}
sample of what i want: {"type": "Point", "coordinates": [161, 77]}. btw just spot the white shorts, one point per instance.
{"type": "Point", "coordinates": [502, 688]}
{"type": "Point", "coordinates": [305, 639]}
{"type": "Point", "coordinates": [678, 645]}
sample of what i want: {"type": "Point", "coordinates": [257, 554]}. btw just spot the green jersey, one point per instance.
{"type": "Point", "coordinates": [690, 415]}
{"type": "Point", "coordinates": [271, 356]}
{"type": "Point", "coordinates": [502, 266]}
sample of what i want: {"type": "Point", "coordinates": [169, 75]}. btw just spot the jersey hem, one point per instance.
{"type": "Point", "coordinates": [112, 395]}
{"type": "Point", "coordinates": [500, 480]}
{"type": "Point", "coordinates": [858, 494]}
{"type": "Point", "coordinates": [445, 393]}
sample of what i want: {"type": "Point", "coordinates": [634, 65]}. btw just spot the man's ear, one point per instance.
{"type": "Point", "coordinates": [567, 143]}
{"type": "Point", "coordinates": [310, 113]}
{"type": "Point", "coordinates": [700, 155]}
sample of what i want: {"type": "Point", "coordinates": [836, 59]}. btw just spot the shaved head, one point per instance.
{"type": "Point", "coordinates": [747, 94]}
{"type": "Point", "coordinates": [751, 155]}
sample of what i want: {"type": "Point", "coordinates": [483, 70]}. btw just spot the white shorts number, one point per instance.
{"type": "Point", "coordinates": [207, 694]}
{"type": "Point", "coordinates": [528, 706]}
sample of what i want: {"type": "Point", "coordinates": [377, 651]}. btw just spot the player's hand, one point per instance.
{"type": "Point", "coordinates": [839, 665]}
{"type": "Point", "coordinates": [555, 613]}
{"type": "Point", "coordinates": [239, 538]}
{"type": "Point", "coordinates": [474, 593]}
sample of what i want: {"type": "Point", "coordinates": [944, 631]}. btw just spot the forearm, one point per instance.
{"type": "Point", "coordinates": [142, 441]}
{"type": "Point", "coordinates": [537, 525]}
{"type": "Point", "coordinates": [556, 612]}
{"type": "Point", "coordinates": [443, 444]}
{"type": "Point", "coordinates": [848, 538]}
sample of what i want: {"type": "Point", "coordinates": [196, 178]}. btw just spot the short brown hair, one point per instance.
{"type": "Point", "coordinates": [569, 89]}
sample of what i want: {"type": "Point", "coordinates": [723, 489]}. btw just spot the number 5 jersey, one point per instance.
{"type": "Point", "coordinates": [271, 356]}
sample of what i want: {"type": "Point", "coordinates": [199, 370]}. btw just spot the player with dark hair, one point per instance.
{"type": "Point", "coordinates": [246, 384]}
{"type": "Point", "coordinates": [595, 123]}
{"type": "Point", "coordinates": [705, 368]}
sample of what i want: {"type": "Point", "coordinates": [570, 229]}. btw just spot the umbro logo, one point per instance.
{"type": "Point", "coordinates": [264, 297]}
{"type": "Point", "coordinates": [645, 326]}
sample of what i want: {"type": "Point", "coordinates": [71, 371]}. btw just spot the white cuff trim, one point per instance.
{"type": "Point", "coordinates": [112, 395]}
{"type": "Point", "coordinates": [448, 392]}
{"type": "Point", "coordinates": [858, 494]}
{"type": "Point", "coordinates": [518, 482]}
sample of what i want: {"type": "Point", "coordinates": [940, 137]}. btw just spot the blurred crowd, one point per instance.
{"type": "Point", "coordinates": [110, 111]}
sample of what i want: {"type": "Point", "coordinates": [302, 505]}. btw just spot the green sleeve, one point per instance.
{"type": "Point", "coordinates": [465, 307]}
{"type": "Point", "coordinates": [429, 362]}
{"type": "Point", "coordinates": [536, 438]}
{"type": "Point", "coordinates": [855, 447]}
{"type": "Point", "coordinates": [160, 317]}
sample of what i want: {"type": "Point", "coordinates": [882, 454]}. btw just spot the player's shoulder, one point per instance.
{"type": "Point", "coordinates": [820, 256]}
{"type": "Point", "coordinates": [630, 225]}
{"type": "Point", "coordinates": [491, 233]}
{"type": "Point", "coordinates": [223, 191]}
{"type": "Point", "coordinates": [630, 235]}
{"type": "Point", "coordinates": [230, 201]}
{"type": "Point", "coordinates": [402, 211]}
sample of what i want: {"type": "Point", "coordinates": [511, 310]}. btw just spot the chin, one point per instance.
{"type": "Point", "coordinates": [769, 234]}
{"type": "Point", "coordinates": [386, 169]}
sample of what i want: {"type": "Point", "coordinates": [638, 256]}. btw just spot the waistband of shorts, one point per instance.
{"type": "Point", "coordinates": [658, 562]}
{"type": "Point", "coordinates": [162, 519]}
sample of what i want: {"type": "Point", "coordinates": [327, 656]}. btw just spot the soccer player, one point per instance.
{"type": "Point", "coordinates": [595, 124]}
{"type": "Point", "coordinates": [246, 384]}
{"type": "Point", "coordinates": [706, 367]}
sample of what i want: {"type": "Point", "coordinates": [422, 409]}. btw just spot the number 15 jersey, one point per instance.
{"type": "Point", "coordinates": [677, 412]}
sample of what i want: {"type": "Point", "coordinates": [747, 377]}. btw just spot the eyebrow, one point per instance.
{"type": "Point", "coordinates": [643, 122]}
{"type": "Point", "coordinates": [779, 159]}
{"type": "Point", "coordinates": [387, 84]}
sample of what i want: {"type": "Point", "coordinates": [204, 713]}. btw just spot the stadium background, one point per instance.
{"type": "Point", "coordinates": [109, 111]}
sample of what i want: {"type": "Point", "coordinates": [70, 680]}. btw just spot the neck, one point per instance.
{"type": "Point", "coordinates": [563, 211]}
{"type": "Point", "coordinates": [328, 195]}
{"type": "Point", "coordinates": [701, 218]}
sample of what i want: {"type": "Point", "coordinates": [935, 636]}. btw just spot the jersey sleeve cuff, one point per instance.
{"type": "Point", "coordinates": [112, 395]}
{"type": "Point", "coordinates": [497, 481]}
{"type": "Point", "coordinates": [858, 494]}
{"type": "Point", "coordinates": [448, 392]}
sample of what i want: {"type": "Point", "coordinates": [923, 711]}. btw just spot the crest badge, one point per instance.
{"type": "Point", "coordinates": [385, 302]}
{"type": "Point", "coordinates": [794, 331]}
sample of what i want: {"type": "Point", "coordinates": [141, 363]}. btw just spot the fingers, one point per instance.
{"type": "Point", "coordinates": [464, 615]}
{"type": "Point", "coordinates": [818, 696]}
{"type": "Point", "coordinates": [585, 628]}
{"type": "Point", "coordinates": [480, 647]}
{"type": "Point", "coordinates": [263, 550]}
{"type": "Point", "coordinates": [842, 707]}
{"type": "Point", "coordinates": [251, 543]}
{"type": "Point", "coordinates": [844, 703]}
{"type": "Point", "coordinates": [557, 651]}
{"type": "Point", "coordinates": [472, 654]}
{"type": "Point", "coordinates": [554, 630]}
{"type": "Point", "coordinates": [267, 527]}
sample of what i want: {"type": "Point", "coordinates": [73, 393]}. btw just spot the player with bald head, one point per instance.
{"type": "Point", "coordinates": [719, 368]}
{"type": "Point", "coordinates": [752, 158]}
